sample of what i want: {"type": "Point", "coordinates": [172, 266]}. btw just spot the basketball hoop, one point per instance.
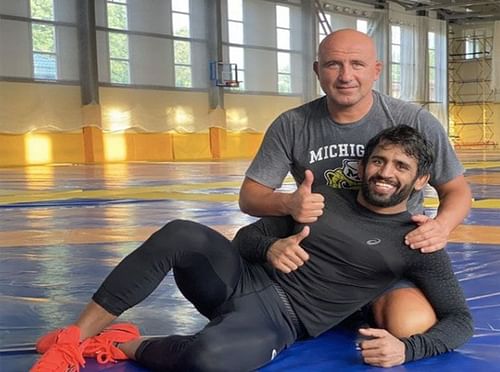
{"type": "Point", "coordinates": [224, 74]}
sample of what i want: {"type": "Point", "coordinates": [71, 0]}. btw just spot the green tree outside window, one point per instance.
{"type": "Point", "coordinates": [118, 45]}
{"type": "Point", "coordinates": [117, 16]}
{"type": "Point", "coordinates": [119, 71]}
{"type": "Point", "coordinates": [42, 9]}
{"type": "Point", "coordinates": [183, 76]}
{"type": "Point", "coordinates": [44, 37]}
{"type": "Point", "coordinates": [182, 52]}
{"type": "Point", "coordinates": [284, 83]}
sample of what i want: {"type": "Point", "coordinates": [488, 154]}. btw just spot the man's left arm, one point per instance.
{"type": "Point", "coordinates": [433, 274]}
{"type": "Point", "coordinates": [432, 234]}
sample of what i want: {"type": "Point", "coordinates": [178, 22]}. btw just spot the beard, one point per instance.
{"type": "Point", "coordinates": [385, 201]}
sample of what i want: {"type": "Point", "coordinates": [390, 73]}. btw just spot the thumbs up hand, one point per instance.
{"type": "Point", "coordinates": [286, 254]}
{"type": "Point", "coordinates": [305, 206]}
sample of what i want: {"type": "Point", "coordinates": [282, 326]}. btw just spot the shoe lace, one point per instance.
{"type": "Point", "coordinates": [58, 356]}
{"type": "Point", "coordinates": [102, 348]}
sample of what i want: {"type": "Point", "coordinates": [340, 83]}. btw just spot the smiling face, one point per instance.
{"type": "Point", "coordinates": [346, 69]}
{"type": "Point", "coordinates": [388, 179]}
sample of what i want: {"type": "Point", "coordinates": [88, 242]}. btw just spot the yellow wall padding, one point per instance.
{"type": "Point", "coordinates": [217, 142]}
{"type": "Point", "coordinates": [149, 147]}
{"type": "Point", "coordinates": [191, 146]}
{"type": "Point", "coordinates": [46, 124]}
{"type": "Point", "coordinates": [41, 148]}
{"type": "Point", "coordinates": [93, 144]}
{"type": "Point", "coordinates": [49, 148]}
{"type": "Point", "coordinates": [11, 150]}
{"type": "Point", "coordinates": [67, 147]}
{"type": "Point", "coordinates": [242, 145]}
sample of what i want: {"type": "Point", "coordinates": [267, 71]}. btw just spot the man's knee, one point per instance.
{"type": "Point", "coordinates": [404, 312]}
{"type": "Point", "coordinates": [184, 228]}
{"type": "Point", "coordinates": [181, 233]}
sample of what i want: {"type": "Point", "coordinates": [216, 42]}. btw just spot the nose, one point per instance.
{"type": "Point", "coordinates": [345, 73]}
{"type": "Point", "coordinates": [386, 170]}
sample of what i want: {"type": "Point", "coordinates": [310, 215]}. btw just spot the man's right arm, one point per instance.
{"type": "Point", "coordinates": [260, 200]}
{"type": "Point", "coordinates": [303, 205]}
{"type": "Point", "coordinates": [254, 240]}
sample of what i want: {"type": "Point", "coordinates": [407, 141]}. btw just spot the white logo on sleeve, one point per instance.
{"type": "Point", "coordinates": [373, 241]}
{"type": "Point", "coordinates": [273, 354]}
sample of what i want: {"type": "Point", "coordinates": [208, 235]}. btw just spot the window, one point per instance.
{"type": "Point", "coordinates": [236, 36]}
{"type": "Point", "coordinates": [321, 26]}
{"type": "Point", "coordinates": [396, 61]}
{"type": "Point", "coordinates": [432, 66]}
{"type": "Point", "coordinates": [182, 48]}
{"type": "Point", "coordinates": [474, 44]}
{"type": "Point", "coordinates": [362, 25]}
{"type": "Point", "coordinates": [119, 65]}
{"type": "Point", "coordinates": [283, 42]}
{"type": "Point", "coordinates": [43, 37]}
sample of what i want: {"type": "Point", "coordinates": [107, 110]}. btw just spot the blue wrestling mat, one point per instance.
{"type": "Point", "coordinates": [55, 253]}
{"type": "Point", "coordinates": [24, 316]}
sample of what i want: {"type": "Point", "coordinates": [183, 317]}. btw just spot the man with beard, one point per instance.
{"type": "Point", "coordinates": [328, 136]}
{"type": "Point", "coordinates": [350, 255]}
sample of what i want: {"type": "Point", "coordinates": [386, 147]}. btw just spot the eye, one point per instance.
{"type": "Point", "coordinates": [403, 166]}
{"type": "Point", "coordinates": [357, 65]}
{"type": "Point", "coordinates": [333, 64]}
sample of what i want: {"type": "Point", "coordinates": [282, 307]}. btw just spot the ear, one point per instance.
{"type": "Point", "coordinates": [378, 69]}
{"type": "Point", "coordinates": [316, 68]}
{"type": "Point", "coordinates": [421, 182]}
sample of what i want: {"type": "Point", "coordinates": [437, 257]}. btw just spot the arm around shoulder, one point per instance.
{"type": "Point", "coordinates": [455, 201]}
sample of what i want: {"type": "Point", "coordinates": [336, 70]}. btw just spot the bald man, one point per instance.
{"type": "Point", "coordinates": [328, 137]}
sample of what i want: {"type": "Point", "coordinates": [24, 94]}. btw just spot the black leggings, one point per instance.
{"type": "Point", "coordinates": [248, 324]}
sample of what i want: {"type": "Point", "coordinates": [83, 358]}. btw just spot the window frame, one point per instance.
{"type": "Point", "coordinates": [395, 93]}
{"type": "Point", "coordinates": [283, 29]}
{"type": "Point", "coordinates": [49, 23]}
{"type": "Point", "coordinates": [118, 60]}
{"type": "Point", "coordinates": [183, 72]}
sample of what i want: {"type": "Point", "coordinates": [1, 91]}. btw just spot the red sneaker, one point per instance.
{"type": "Point", "coordinates": [103, 346]}
{"type": "Point", "coordinates": [64, 355]}
{"type": "Point", "coordinates": [47, 340]}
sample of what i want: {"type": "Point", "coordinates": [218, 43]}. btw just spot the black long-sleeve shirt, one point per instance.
{"type": "Point", "coordinates": [355, 254]}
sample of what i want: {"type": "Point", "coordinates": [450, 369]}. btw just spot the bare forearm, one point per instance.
{"type": "Point", "coordinates": [454, 206]}
{"type": "Point", "coordinates": [273, 203]}
{"type": "Point", "coordinates": [260, 201]}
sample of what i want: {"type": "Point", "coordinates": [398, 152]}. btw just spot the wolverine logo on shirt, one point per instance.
{"type": "Point", "coordinates": [345, 177]}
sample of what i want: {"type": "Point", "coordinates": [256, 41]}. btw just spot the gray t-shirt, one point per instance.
{"type": "Point", "coordinates": [307, 138]}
